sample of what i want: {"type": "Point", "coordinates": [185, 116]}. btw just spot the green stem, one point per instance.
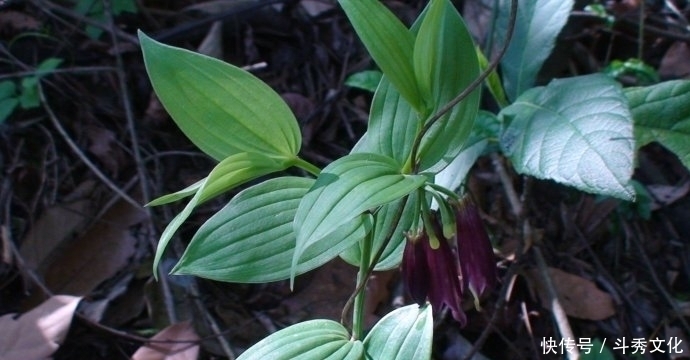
{"type": "Point", "coordinates": [371, 265]}
{"type": "Point", "coordinates": [358, 310]}
{"type": "Point", "coordinates": [307, 166]}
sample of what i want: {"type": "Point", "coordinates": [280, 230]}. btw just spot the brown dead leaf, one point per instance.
{"type": "Point", "coordinates": [100, 252]}
{"type": "Point", "coordinates": [579, 297]}
{"type": "Point", "coordinates": [56, 225]}
{"type": "Point", "coordinates": [183, 344]}
{"type": "Point", "coordinates": [676, 62]}
{"type": "Point", "coordinates": [38, 333]}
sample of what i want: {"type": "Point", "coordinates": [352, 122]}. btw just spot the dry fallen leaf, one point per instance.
{"type": "Point", "coordinates": [98, 254]}
{"type": "Point", "coordinates": [579, 297]}
{"type": "Point", "coordinates": [56, 224]}
{"type": "Point", "coordinates": [183, 344]}
{"type": "Point", "coordinates": [38, 333]}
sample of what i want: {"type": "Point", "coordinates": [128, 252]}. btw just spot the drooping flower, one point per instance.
{"type": "Point", "coordinates": [475, 252]}
{"type": "Point", "coordinates": [433, 273]}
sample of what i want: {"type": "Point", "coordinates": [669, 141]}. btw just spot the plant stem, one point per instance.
{"type": "Point", "coordinates": [360, 297]}
{"type": "Point", "coordinates": [374, 260]}
{"type": "Point", "coordinates": [307, 166]}
{"type": "Point", "coordinates": [471, 87]}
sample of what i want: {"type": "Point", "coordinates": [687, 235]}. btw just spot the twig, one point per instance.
{"type": "Point", "coordinates": [559, 314]}
{"type": "Point", "coordinates": [516, 204]}
{"type": "Point", "coordinates": [141, 171]}
{"type": "Point", "coordinates": [75, 148]}
{"type": "Point", "coordinates": [632, 235]}
{"type": "Point", "coordinates": [194, 292]}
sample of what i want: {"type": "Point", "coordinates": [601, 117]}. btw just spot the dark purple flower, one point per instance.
{"type": "Point", "coordinates": [475, 252]}
{"type": "Point", "coordinates": [433, 273]}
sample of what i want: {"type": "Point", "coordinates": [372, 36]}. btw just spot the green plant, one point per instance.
{"type": "Point", "coordinates": [26, 94]}
{"type": "Point", "coordinates": [392, 200]}
{"type": "Point", "coordinates": [95, 10]}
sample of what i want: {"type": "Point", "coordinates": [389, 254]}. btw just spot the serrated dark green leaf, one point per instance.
{"type": "Point", "coordinates": [662, 113]}
{"type": "Point", "coordinates": [405, 333]}
{"type": "Point", "coordinates": [538, 24]}
{"type": "Point", "coordinates": [389, 42]}
{"type": "Point", "coordinates": [251, 239]}
{"type": "Point", "coordinates": [576, 131]}
{"type": "Point", "coordinates": [345, 189]}
{"type": "Point", "coordinates": [309, 340]}
{"type": "Point", "coordinates": [222, 109]}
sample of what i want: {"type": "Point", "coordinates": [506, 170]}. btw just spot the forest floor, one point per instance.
{"type": "Point", "coordinates": [82, 152]}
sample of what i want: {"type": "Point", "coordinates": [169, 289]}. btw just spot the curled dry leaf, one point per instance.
{"type": "Point", "coordinates": [38, 333]}
{"type": "Point", "coordinates": [579, 297]}
{"type": "Point", "coordinates": [175, 342]}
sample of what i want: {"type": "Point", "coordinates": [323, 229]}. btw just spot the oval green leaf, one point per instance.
{"type": "Point", "coordinates": [345, 189]}
{"type": "Point", "coordinates": [315, 339]}
{"type": "Point", "coordinates": [222, 109]}
{"type": "Point", "coordinates": [576, 131]}
{"type": "Point", "coordinates": [662, 114]}
{"type": "Point", "coordinates": [251, 240]}
{"type": "Point", "coordinates": [405, 333]}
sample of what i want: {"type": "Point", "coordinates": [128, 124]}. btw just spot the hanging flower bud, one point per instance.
{"type": "Point", "coordinates": [475, 252]}
{"type": "Point", "coordinates": [433, 273]}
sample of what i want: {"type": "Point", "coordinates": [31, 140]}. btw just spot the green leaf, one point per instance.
{"type": "Point", "coordinates": [493, 81]}
{"type": "Point", "coordinates": [662, 113]}
{"type": "Point", "coordinates": [393, 125]}
{"type": "Point", "coordinates": [309, 340]}
{"type": "Point", "coordinates": [28, 97]}
{"type": "Point", "coordinates": [452, 176]}
{"type": "Point", "coordinates": [251, 240]}
{"type": "Point", "coordinates": [538, 24]}
{"type": "Point", "coordinates": [576, 131]}
{"type": "Point", "coordinates": [48, 65]}
{"type": "Point", "coordinates": [383, 220]}
{"type": "Point", "coordinates": [238, 169]}
{"type": "Point", "coordinates": [7, 106]}
{"type": "Point", "coordinates": [345, 189]}
{"type": "Point", "coordinates": [445, 63]}
{"type": "Point", "coordinates": [389, 42]}
{"type": "Point", "coordinates": [178, 195]}
{"type": "Point", "coordinates": [636, 68]}
{"type": "Point", "coordinates": [222, 109]}
{"type": "Point", "coordinates": [8, 89]}
{"type": "Point", "coordinates": [366, 80]}
{"type": "Point", "coordinates": [229, 173]}
{"type": "Point", "coordinates": [405, 333]}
